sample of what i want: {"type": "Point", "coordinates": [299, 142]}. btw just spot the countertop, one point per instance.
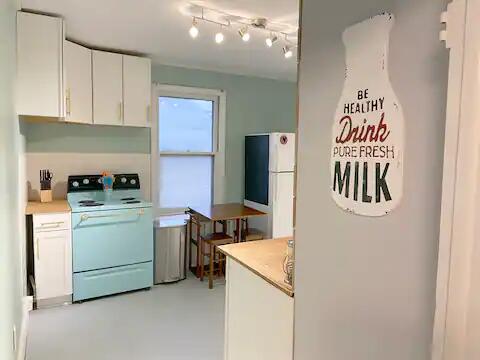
{"type": "Point", "coordinates": [55, 206]}
{"type": "Point", "coordinates": [264, 258]}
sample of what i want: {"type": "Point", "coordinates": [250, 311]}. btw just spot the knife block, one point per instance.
{"type": "Point", "coordinates": [45, 196]}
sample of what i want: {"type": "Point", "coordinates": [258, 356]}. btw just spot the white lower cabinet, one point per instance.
{"type": "Point", "coordinates": [258, 317]}
{"type": "Point", "coordinates": [52, 249]}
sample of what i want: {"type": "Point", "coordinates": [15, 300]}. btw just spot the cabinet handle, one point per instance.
{"type": "Point", "coordinates": [148, 114]}
{"type": "Point", "coordinates": [69, 102]}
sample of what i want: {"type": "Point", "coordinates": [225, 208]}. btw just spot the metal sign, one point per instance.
{"type": "Point", "coordinates": [368, 132]}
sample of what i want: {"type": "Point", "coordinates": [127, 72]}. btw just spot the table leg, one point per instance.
{"type": "Point", "coordinates": [190, 236]}
{"type": "Point", "coordinates": [239, 233]}
{"type": "Point", "coordinates": [199, 253]}
{"type": "Point", "coordinates": [212, 260]}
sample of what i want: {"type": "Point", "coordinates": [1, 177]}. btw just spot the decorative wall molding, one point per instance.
{"type": "Point", "coordinates": [458, 261]}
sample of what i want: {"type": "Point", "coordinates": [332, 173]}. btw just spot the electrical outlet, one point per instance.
{"type": "Point", "coordinates": [14, 333]}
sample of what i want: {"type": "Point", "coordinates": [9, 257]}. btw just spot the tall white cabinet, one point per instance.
{"type": "Point", "coordinates": [107, 88]}
{"type": "Point", "coordinates": [40, 65]}
{"type": "Point", "coordinates": [78, 83]}
{"type": "Point", "coordinates": [136, 90]}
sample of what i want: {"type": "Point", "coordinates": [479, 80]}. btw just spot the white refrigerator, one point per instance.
{"type": "Point", "coordinates": [269, 181]}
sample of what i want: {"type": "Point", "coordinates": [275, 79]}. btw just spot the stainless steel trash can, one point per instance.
{"type": "Point", "coordinates": [170, 249]}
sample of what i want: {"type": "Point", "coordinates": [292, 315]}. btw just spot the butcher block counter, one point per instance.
{"type": "Point", "coordinates": [55, 206]}
{"type": "Point", "coordinates": [264, 258]}
{"type": "Point", "coordinates": [259, 304]}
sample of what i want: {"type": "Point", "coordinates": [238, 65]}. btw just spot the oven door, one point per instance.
{"type": "Point", "coordinates": [104, 239]}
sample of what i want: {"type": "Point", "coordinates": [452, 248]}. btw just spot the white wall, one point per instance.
{"type": "Point", "coordinates": [11, 206]}
{"type": "Point", "coordinates": [365, 287]}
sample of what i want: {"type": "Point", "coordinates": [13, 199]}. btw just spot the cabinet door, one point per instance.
{"type": "Point", "coordinates": [282, 204]}
{"type": "Point", "coordinates": [78, 83]}
{"type": "Point", "coordinates": [53, 264]}
{"type": "Point", "coordinates": [136, 91]}
{"type": "Point", "coordinates": [258, 317]}
{"type": "Point", "coordinates": [40, 65]}
{"type": "Point", "coordinates": [107, 88]}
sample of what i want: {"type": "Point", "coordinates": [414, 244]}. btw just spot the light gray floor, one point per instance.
{"type": "Point", "coordinates": [177, 321]}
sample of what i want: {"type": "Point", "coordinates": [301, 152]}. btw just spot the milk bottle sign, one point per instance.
{"type": "Point", "coordinates": [368, 132]}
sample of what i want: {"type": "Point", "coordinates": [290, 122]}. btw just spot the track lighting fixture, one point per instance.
{"type": "Point", "coordinates": [244, 34]}
{"type": "Point", "coordinates": [194, 29]}
{"type": "Point", "coordinates": [287, 51]}
{"type": "Point", "coordinates": [275, 32]}
{"type": "Point", "coordinates": [271, 39]}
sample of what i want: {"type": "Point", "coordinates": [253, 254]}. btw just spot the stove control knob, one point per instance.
{"type": "Point", "coordinates": [99, 180]}
{"type": "Point", "coordinates": [123, 180]}
{"type": "Point", "coordinates": [86, 181]}
{"type": "Point", "coordinates": [75, 184]}
{"type": "Point", "coordinates": [133, 181]}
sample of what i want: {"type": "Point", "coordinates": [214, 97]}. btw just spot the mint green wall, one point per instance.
{"type": "Point", "coordinates": [60, 137]}
{"type": "Point", "coordinates": [10, 278]}
{"type": "Point", "coordinates": [253, 105]}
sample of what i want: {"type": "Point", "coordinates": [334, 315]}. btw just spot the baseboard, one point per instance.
{"type": "Point", "coordinates": [22, 341]}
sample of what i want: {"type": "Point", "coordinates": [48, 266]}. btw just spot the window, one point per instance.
{"type": "Point", "coordinates": [187, 148]}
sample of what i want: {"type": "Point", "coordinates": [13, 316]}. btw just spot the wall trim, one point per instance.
{"type": "Point", "coordinates": [455, 321]}
{"type": "Point", "coordinates": [27, 302]}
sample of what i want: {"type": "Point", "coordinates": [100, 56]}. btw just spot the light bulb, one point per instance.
{"type": "Point", "coordinates": [246, 37]}
{"type": "Point", "coordinates": [219, 37]}
{"type": "Point", "coordinates": [193, 30]}
{"type": "Point", "coordinates": [270, 40]}
{"type": "Point", "coordinates": [287, 52]}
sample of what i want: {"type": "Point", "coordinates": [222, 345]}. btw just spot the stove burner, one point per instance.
{"type": "Point", "coordinates": [91, 204]}
{"type": "Point", "coordinates": [86, 201]}
{"type": "Point", "coordinates": [132, 202]}
{"type": "Point", "coordinates": [127, 199]}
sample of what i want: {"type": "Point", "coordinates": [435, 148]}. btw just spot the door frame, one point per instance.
{"type": "Point", "coordinates": [456, 319]}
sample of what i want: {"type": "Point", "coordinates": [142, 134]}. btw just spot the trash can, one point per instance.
{"type": "Point", "coordinates": [170, 249]}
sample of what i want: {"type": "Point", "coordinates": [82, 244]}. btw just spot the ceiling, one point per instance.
{"type": "Point", "coordinates": [159, 28]}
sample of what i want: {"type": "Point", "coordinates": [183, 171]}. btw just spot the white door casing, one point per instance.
{"type": "Point", "coordinates": [457, 314]}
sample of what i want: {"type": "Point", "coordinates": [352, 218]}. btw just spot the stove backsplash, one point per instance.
{"type": "Point", "coordinates": [64, 164]}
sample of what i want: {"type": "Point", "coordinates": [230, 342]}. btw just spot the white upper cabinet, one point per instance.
{"type": "Point", "coordinates": [107, 88]}
{"type": "Point", "coordinates": [61, 79]}
{"type": "Point", "coordinates": [136, 91]}
{"type": "Point", "coordinates": [78, 83]}
{"type": "Point", "coordinates": [40, 65]}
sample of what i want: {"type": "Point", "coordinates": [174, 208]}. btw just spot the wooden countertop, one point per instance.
{"type": "Point", "coordinates": [265, 258]}
{"type": "Point", "coordinates": [55, 206]}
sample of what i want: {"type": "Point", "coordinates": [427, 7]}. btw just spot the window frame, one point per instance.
{"type": "Point", "coordinates": [218, 153]}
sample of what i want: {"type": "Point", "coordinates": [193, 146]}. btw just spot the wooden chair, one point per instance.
{"type": "Point", "coordinates": [207, 247]}
{"type": "Point", "coordinates": [194, 230]}
{"type": "Point", "coordinates": [210, 244]}
{"type": "Point", "coordinates": [249, 234]}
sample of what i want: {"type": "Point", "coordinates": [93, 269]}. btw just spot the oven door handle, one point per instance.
{"type": "Point", "coordinates": [85, 217]}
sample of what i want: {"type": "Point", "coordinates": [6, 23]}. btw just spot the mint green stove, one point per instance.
{"type": "Point", "coordinates": [112, 236]}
